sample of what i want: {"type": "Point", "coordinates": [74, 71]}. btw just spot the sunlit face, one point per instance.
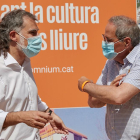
{"type": "Point", "coordinates": [29, 30]}
{"type": "Point", "coordinates": [110, 36]}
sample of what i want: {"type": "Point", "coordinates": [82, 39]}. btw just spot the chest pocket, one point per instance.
{"type": "Point", "coordinates": [2, 89]}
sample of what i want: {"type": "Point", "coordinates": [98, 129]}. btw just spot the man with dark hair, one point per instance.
{"type": "Point", "coordinates": [22, 112]}
{"type": "Point", "coordinates": [122, 94]}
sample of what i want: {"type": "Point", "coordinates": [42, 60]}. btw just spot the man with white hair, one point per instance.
{"type": "Point", "coordinates": [122, 96]}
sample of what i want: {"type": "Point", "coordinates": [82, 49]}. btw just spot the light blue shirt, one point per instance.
{"type": "Point", "coordinates": [123, 121]}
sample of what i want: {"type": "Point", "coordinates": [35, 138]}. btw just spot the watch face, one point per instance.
{"type": "Point", "coordinates": [50, 111]}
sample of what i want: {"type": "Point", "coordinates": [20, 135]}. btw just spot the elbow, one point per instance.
{"type": "Point", "coordinates": [93, 106]}
{"type": "Point", "coordinates": [119, 100]}
{"type": "Point", "coordinates": [96, 104]}
{"type": "Point", "coordinates": [90, 104]}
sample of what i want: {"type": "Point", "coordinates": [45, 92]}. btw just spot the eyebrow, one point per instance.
{"type": "Point", "coordinates": [108, 38]}
{"type": "Point", "coordinates": [33, 30]}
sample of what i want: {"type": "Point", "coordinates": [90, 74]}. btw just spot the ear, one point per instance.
{"type": "Point", "coordinates": [13, 36]}
{"type": "Point", "coordinates": [127, 42]}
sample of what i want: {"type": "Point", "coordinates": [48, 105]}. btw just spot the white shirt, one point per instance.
{"type": "Point", "coordinates": [18, 92]}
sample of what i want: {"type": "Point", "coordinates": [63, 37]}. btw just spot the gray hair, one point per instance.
{"type": "Point", "coordinates": [126, 27]}
{"type": "Point", "coordinates": [12, 21]}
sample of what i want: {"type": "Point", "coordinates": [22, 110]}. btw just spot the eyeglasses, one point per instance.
{"type": "Point", "coordinates": [107, 40]}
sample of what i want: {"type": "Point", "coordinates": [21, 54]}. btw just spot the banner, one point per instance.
{"type": "Point", "coordinates": [72, 34]}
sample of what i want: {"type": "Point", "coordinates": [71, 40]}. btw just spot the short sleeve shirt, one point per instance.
{"type": "Point", "coordinates": [123, 121]}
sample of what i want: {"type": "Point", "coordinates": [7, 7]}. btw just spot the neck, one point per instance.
{"type": "Point", "coordinates": [18, 55]}
{"type": "Point", "coordinates": [119, 58]}
{"type": "Point", "coordinates": [120, 61]}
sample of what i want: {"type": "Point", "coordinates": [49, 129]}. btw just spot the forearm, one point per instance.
{"type": "Point", "coordinates": [36, 119]}
{"type": "Point", "coordinates": [109, 94]}
{"type": "Point", "coordinates": [95, 103]}
{"type": "Point", "coordinates": [12, 118]}
{"type": "Point", "coordinates": [106, 94]}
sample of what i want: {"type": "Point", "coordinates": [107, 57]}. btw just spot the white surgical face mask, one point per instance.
{"type": "Point", "coordinates": [108, 50]}
{"type": "Point", "coordinates": [33, 47]}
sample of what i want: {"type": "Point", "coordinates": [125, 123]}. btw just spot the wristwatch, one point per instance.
{"type": "Point", "coordinates": [50, 111]}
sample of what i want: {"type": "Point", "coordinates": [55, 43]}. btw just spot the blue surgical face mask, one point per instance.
{"type": "Point", "coordinates": [108, 50]}
{"type": "Point", "coordinates": [33, 47]}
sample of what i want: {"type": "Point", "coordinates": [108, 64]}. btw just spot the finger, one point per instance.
{"type": "Point", "coordinates": [61, 132]}
{"type": "Point", "coordinates": [38, 127]}
{"type": "Point", "coordinates": [117, 79]}
{"type": "Point", "coordinates": [83, 77]}
{"type": "Point", "coordinates": [39, 124]}
{"type": "Point", "coordinates": [112, 83]}
{"type": "Point", "coordinates": [123, 74]}
{"type": "Point", "coordinates": [64, 128]}
{"type": "Point", "coordinates": [120, 76]}
{"type": "Point", "coordinates": [46, 116]}
{"type": "Point", "coordinates": [57, 130]}
{"type": "Point", "coordinates": [65, 131]}
{"type": "Point", "coordinates": [40, 119]}
{"type": "Point", "coordinates": [117, 84]}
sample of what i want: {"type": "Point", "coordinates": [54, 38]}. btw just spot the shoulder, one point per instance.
{"type": "Point", "coordinates": [1, 62]}
{"type": "Point", "coordinates": [137, 59]}
{"type": "Point", "coordinates": [110, 63]}
{"type": "Point", "coordinates": [2, 66]}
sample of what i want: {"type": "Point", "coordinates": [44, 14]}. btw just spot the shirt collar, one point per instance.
{"type": "Point", "coordinates": [9, 60]}
{"type": "Point", "coordinates": [132, 55]}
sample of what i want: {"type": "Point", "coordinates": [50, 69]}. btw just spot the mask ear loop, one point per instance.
{"type": "Point", "coordinates": [121, 51]}
{"type": "Point", "coordinates": [21, 35]}
{"type": "Point", "coordinates": [117, 42]}
{"type": "Point", "coordinates": [24, 38]}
